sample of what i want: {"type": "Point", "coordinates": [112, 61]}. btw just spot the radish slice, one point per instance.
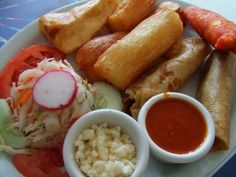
{"type": "Point", "coordinates": [55, 90]}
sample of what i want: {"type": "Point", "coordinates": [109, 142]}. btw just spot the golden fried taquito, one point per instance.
{"type": "Point", "coordinates": [215, 92]}
{"type": "Point", "coordinates": [182, 61]}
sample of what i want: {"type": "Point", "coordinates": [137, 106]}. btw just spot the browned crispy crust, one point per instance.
{"type": "Point", "coordinates": [88, 54]}
{"type": "Point", "coordinates": [128, 14]}
{"type": "Point", "coordinates": [129, 57]}
{"type": "Point", "coordinates": [170, 5]}
{"type": "Point", "coordinates": [70, 30]}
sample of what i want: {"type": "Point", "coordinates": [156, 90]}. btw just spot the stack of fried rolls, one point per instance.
{"type": "Point", "coordinates": [129, 57]}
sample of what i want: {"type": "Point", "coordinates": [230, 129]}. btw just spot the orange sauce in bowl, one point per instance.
{"type": "Point", "coordinates": [176, 125]}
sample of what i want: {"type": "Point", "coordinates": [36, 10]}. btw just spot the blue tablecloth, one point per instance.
{"type": "Point", "coordinates": [15, 14]}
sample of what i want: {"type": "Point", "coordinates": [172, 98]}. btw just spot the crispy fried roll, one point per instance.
{"type": "Point", "coordinates": [88, 54]}
{"type": "Point", "coordinates": [217, 30]}
{"type": "Point", "coordinates": [171, 6]}
{"type": "Point", "coordinates": [128, 14]}
{"type": "Point", "coordinates": [182, 60]}
{"type": "Point", "coordinates": [215, 93]}
{"type": "Point", "coordinates": [70, 30]}
{"type": "Point", "coordinates": [129, 57]}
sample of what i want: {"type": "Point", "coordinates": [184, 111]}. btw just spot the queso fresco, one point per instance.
{"type": "Point", "coordinates": [176, 125]}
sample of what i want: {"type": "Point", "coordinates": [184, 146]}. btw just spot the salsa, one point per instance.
{"type": "Point", "coordinates": [176, 125]}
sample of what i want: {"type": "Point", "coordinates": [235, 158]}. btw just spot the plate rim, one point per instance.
{"type": "Point", "coordinates": [80, 2]}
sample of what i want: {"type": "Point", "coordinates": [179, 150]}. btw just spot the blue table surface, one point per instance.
{"type": "Point", "coordinates": [15, 14]}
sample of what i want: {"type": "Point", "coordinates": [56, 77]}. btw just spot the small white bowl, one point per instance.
{"type": "Point", "coordinates": [113, 118]}
{"type": "Point", "coordinates": [169, 157]}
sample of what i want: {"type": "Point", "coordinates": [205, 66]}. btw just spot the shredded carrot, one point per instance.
{"type": "Point", "coordinates": [28, 80]}
{"type": "Point", "coordinates": [25, 95]}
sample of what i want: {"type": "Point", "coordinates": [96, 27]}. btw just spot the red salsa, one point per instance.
{"type": "Point", "coordinates": [176, 125]}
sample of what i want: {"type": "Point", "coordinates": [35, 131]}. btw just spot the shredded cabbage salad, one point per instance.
{"type": "Point", "coordinates": [43, 128]}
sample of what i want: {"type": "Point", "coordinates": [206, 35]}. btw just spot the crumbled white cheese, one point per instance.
{"type": "Point", "coordinates": [105, 152]}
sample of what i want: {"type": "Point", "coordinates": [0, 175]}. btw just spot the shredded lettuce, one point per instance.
{"type": "Point", "coordinates": [31, 119]}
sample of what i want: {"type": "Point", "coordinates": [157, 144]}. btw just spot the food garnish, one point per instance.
{"type": "Point", "coordinates": [5, 112]}
{"type": "Point", "coordinates": [107, 96]}
{"type": "Point", "coordinates": [42, 127]}
{"type": "Point", "coordinates": [55, 90]}
{"type": "Point", "coordinates": [10, 138]}
{"type": "Point", "coordinates": [25, 59]}
{"type": "Point", "coordinates": [40, 163]}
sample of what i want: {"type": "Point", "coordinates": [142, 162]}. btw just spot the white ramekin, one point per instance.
{"type": "Point", "coordinates": [113, 118]}
{"type": "Point", "coordinates": [169, 157]}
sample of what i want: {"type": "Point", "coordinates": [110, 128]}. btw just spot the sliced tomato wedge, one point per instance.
{"type": "Point", "coordinates": [25, 59]}
{"type": "Point", "coordinates": [41, 163]}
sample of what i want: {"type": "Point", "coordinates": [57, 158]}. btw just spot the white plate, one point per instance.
{"type": "Point", "coordinates": [204, 167]}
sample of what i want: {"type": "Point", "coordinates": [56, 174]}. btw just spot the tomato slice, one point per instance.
{"type": "Point", "coordinates": [41, 163]}
{"type": "Point", "coordinates": [25, 59]}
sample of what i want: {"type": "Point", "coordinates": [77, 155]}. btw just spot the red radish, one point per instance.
{"type": "Point", "coordinates": [55, 90]}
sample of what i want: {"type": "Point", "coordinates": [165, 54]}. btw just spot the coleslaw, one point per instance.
{"type": "Point", "coordinates": [43, 128]}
